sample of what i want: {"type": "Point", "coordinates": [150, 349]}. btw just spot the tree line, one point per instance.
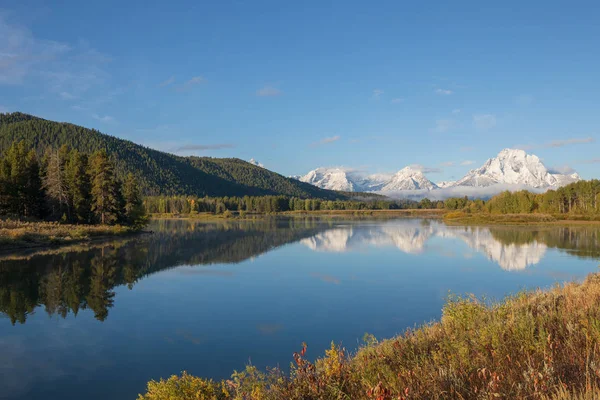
{"type": "Point", "coordinates": [272, 204]}
{"type": "Point", "coordinates": [581, 198]}
{"type": "Point", "coordinates": [578, 198]}
{"type": "Point", "coordinates": [67, 186]}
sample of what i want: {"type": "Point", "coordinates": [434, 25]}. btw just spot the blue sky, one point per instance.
{"type": "Point", "coordinates": [297, 85]}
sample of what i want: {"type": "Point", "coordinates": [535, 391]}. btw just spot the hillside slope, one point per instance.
{"type": "Point", "coordinates": [158, 172]}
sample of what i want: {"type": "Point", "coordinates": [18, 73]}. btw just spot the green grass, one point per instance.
{"type": "Point", "coordinates": [17, 234]}
{"type": "Point", "coordinates": [535, 345]}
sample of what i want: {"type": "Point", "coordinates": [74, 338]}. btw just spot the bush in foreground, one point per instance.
{"type": "Point", "coordinates": [535, 345]}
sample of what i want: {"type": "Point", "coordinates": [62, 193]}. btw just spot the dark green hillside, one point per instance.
{"type": "Point", "coordinates": [158, 172]}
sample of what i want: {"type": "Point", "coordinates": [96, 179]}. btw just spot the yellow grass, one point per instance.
{"type": "Point", "coordinates": [15, 234]}
{"type": "Point", "coordinates": [535, 345]}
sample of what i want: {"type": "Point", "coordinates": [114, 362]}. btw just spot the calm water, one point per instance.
{"type": "Point", "coordinates": [99, 322]}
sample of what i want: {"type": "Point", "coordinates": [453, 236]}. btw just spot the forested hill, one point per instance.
{"type": "Point", "coordinates": [159, 173]}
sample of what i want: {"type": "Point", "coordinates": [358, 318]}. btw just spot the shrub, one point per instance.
{"type": "Point", "coordinates": [538, 345]}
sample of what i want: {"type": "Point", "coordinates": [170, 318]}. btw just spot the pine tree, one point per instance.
{"type": "Point", "coordinates": [78, 181]}
{"type": "Point", "coordinates": [33, 202]}
{"type": "Point", "coordinates": [55, 184]}
{"type": "Point", "coordinates": [135, 215]}
{"type": "Point", "coordinates": [105, 201]}
{"type": "Point", "coordinates": [16, 177]}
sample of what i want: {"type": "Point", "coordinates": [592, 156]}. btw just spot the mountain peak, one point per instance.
{"type": "Point", "coordinates": [515, 167]}
{"type": "Point", "coordinates": [409, 178]}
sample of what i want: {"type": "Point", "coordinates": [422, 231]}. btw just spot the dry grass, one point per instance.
{"type": "Point", "coordinates": [536, 345]}
{"type": "Point", "coordinates": [17, 234]}
{"type": "Point", "coordinates": [460, 217]}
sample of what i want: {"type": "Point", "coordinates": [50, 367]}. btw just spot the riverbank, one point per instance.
{"type": "Point", "coordinates": [16, 235]}
{"type": "Point", "coordinates": [459, 217]}
{"type": "Point", "coordinates": [419, 213]}
{"type": "Point", "coordinates": [540, 344]}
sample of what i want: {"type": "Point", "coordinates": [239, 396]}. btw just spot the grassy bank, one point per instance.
{"type": "Point", "coordinates": [460, 217]}
{"type": "Point", "coordinates": [535, 345]}
{"type": "Point", "coordinates": [18, 235]}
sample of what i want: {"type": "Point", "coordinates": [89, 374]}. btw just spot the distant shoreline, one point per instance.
{"type": "Point", "coordinates": [429, 213]}
{"type": "Point", "coordinates": [449, 217]}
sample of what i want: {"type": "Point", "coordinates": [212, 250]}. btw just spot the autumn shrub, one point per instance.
{"type": "Point", "coordinates": [533, 345]}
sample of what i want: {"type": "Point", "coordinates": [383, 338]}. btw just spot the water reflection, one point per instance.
{"type": "Point", "coordinates": [65, 281]}
{"type": "Point", "coordinates": [512, 248]}
{"type": "Point", "coordinates": [68, 280]}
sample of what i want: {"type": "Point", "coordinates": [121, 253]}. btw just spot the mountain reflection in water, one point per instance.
{"type": "Point", "coordinates": [63, 281]}
{"type": "Point", "coordinates": [512, 248]}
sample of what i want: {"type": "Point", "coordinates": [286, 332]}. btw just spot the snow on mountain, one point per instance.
{"type": "Point", "coordinates": [343, 179]}
{"type": "Point", "coordinates": [445, 184]}
{"type": "Point", "coordinates": [509, 170]}
{"type": "Point", "coordinates": [515, 167]}
{"type": "Point", "coordinates": [254, 162]}
{"type": "Point", "coordinates": [408, 178]}
{"type": "Point", "coordinates": [330, 178]}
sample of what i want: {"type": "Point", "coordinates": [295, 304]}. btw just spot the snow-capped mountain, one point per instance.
{"type": "Point", "coordinates": [408, 178]}
{"type": "Point", "coordinates": [515, 167]}
{"type": "Point", "coordinates": [511, 167]}
{"type": "Point", "coordinates": [445, 184]}
{"type": "Point", "coordinates": [330, 178]}
{"type": "Point", "coordinates": [343, 179]}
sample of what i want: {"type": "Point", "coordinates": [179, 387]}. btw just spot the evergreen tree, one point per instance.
{"type": "Point", "coordinates": [15, 172]}
{"type": "Point", "coordinates": [33, 202]}
{"type": "Point", "coordinates": [55, 184]}
{"type": "Point", "coordinates": [78, 182]}
{"type": "Point", "coordinates": [135, 214]}
{"type": "Point", "coordinates": [105, 201]}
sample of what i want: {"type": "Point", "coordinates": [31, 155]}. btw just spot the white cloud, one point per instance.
{"type": "Point", "coordinates": [397, 100]}
{"type": "Point", "coordinates": [561, 143]}
{"type": "Point", "coordinates": [66, 70]}
{"type": "Point", "coordinates": [561, 169]}
{"type": "Point", "coordinates": [467, 162]}
{"type": "Point", "coordinates": [557, 143]}
{"type": "Point", "coordinates": [460, 191]}
{"type": "Point", "coordinates": [456, 111]}
{"type": "Point", "coordinates": [424, 169]}
{"type": "Point", "coordinates": [447, 164]}
{"type": "Point", "coordinates": [467, 148]}
{"type": "Point", "coordinates": [190, 83]}
{"type": "Point", "coordinates": [326, 140]}
{"type": "Point", "coordinates": [484, 122]}
{"type": "Point", "coordinates": [268, 91]}
{"type": "Point", "coordinates": [377, 93]}
{"type": "Point", "coordinates": [444, 92]}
